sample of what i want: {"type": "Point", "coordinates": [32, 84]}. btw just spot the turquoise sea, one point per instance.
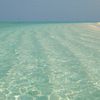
{"type": "Point", "coordinates": [49, 61]}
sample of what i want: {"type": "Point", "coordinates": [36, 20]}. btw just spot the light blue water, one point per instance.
{"type": "Point", "coordinates": [51, 61]}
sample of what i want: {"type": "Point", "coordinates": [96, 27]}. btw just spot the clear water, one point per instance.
{"type": "Point", "coordinates": [51, 61]}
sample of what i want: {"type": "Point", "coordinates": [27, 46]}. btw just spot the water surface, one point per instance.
{"type": "Point", "coordinates": [51, 61]}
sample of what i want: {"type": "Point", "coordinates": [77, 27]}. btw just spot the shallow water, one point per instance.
{"type": "Point", "coordinates": [51, 61]}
